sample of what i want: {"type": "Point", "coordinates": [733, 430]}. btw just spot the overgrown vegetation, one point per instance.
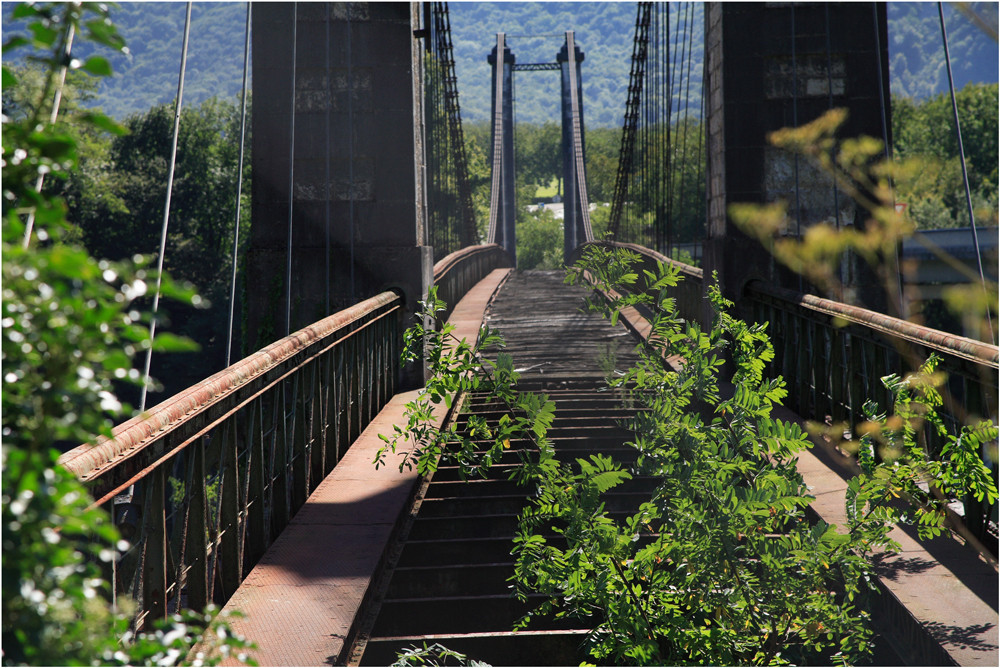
{"type": "Point", "coordinates": [720, 564]}
{"type": "Point", "coordinates": [71, 328]}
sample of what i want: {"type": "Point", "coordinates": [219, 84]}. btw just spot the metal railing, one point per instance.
{"type": "Point", "coordinates": [456, 273]}
{"type": "Point", "coordinates": [213, 475]}
{"type": "Point", "coordinates": [833, 357]}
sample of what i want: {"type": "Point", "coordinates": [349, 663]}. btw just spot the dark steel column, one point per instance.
{"type": "Point", "coordinates": [358, 198]}
{"type": "Point", "coordinates": [506, 235]}
{"type": "Point", "coordinates": [573, 233]}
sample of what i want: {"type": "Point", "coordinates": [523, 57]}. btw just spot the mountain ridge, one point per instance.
{"type": "Point", "coordinates": [604, 31]}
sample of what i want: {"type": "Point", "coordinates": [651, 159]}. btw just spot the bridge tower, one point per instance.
{"type": "Point", "coordinates": [504, 106]}
{"type": "Point", "coordinates": [573, 226]}
{"type": "Point", "coordinates": [774, 65]}
{"type": "Point", "coordinates": [338, 196]}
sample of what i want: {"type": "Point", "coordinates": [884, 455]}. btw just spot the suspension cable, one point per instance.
{"type": "Point", "coordinates": [239, 186]}
{"type": "Point", "coordinates": [965, 169]}
{"type": "Point", "coordinates": [327, 205]}
{"type": "Point", "coordinates": [166, 207]}
{"type": "Point", "coordinates": [53, 117]}
{"type": "Point", "coordinates": [467, 231]}
{"type": "Point", "coordinates": [291, 174]}
{"type": "Point", "coordinates": [626, 151]}
{"type": "Point", "coordinates": [689, 39]}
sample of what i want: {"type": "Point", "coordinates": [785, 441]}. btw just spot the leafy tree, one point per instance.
{"type": "Point", "coordinates": [117, 202]}
{"type": "Point", "coordinates": [70, 330]}
{"type": "Point", "coordinates": [538, 151]}
{"type": "Point", "coordinates": [539, 240]}
{"type": "Point", "coordinates": [603, 145]}
{"type": "Point", "coordinates": [925, 131]}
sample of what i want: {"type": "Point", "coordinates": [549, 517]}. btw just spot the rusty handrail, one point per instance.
{"type": "Point", "coordinates": [942, 342]}
{"type": "Point", "coordinates": [457, 272]}
{"type": "Point", "coordinates": [130, 438]}
{"type": "Point", "coordinates": [217, 471]}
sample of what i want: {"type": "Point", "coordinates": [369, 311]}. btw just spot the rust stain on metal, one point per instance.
{"type": "Point", "coordinates": [89, 461]}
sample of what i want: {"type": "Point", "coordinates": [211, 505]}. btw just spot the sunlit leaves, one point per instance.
{"type": "Point", "coordinates": [71, 327]}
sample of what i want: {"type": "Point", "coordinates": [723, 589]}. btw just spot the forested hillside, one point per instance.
{"type": "Point", "coordinates": [916, 51]}
{"type": "Point", "coordinates": [535, 30]}
{"type": "Point", "coordinates": [535, 34]}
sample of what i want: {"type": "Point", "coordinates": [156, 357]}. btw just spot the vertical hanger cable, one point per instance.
{"type": "Point", "coordinates": [166, 207]}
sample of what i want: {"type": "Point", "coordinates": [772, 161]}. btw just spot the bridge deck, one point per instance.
{"type": "Point", "coordinates": [446, 570]}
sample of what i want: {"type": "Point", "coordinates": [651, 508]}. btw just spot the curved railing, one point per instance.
{"type": "Point", "coordinates": [833, 356]}
{"type": "Point", "coordinates": [688, 293]}
{"type": "Point", "coordinates": [456, 273]}
{"type": "Point", "coordinates": [207, 479]}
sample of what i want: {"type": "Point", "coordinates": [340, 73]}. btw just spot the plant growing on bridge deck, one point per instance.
{"type": "Point", "coordinates": [457, 368]}
{"type": "Point", "coordinates": [71, 326]}
{"type": "Point", "coordinates": [720, 565]}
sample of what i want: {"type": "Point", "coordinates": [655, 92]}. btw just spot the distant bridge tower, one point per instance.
{"type": "Point", "coordinates": [503, 125]}
{"type": "Point", "coordinates": [574, 230]}
{"type": "Point", "coordinates": [576, 222]}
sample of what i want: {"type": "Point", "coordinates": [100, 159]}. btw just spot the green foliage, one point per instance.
{"type": "Point", "coordinates": [539, 240]}
{"type": "Point", "coordinates": [434, 655]}
{"type": "Point", "coordinates": [927, 480]}
{"type": "Point", "coordinates": [925, 131]}
{"type": "Point", "coordinates": [71, 328]}
{"type": "Point", "coordinates": [457, 368]}
{"type": "Point", "coordinates": [719, 565]}
{"type": "Point", "coordinates": [116, 202]}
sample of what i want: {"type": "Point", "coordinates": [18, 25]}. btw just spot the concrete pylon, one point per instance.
{"type": "Point", "coordinates": [338, 194]}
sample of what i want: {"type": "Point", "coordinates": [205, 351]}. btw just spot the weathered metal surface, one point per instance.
{"type": "Point", "coordinates": [194, 405]}
{"type": "Point", "coordinates": [216, 471]}
{"type": "Point", "coordinates": [941, 342]}
{"type": "Point", "coordinates": [456, 273]}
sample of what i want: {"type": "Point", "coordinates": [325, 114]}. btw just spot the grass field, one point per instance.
{"type": "Point", "coordinates": [548, 191]}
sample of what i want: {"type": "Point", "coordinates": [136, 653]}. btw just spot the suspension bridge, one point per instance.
{"type": "Point", "coordinates": [256, 487]}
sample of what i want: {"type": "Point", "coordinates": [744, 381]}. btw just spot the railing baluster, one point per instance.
{"type": "Point", "coordinates": [256, 534]}
{"type": "Point", "coordinates": [837, 386]}
{"type": "Point", "coordinates": [196, 538]}
{"type": "Point", "coordinates": [279, 481]}
{"type": "Point", "coordinates": [229, 569]}
{"type": "Point", "coordinates": [154, 562]}
{"type": "Point", "coordinates": [300, 447]}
